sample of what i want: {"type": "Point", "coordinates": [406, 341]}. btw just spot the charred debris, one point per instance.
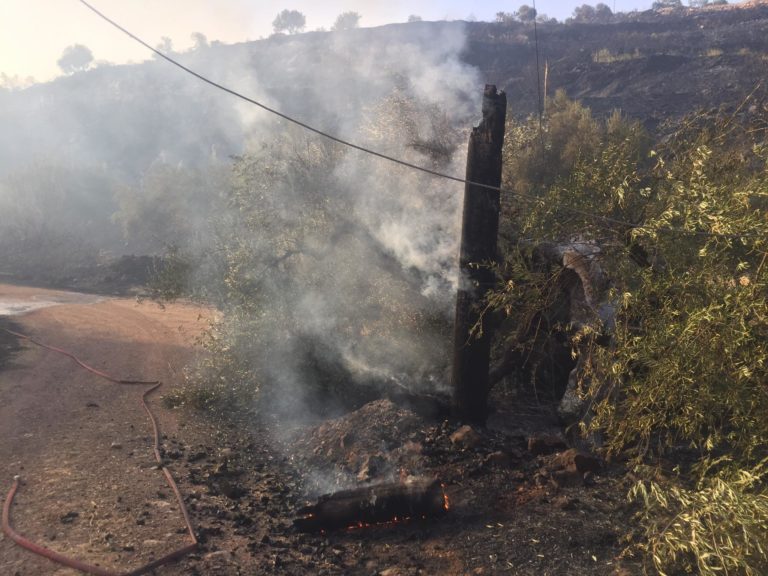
{"type": "Point", "coordinates": [399, 460]}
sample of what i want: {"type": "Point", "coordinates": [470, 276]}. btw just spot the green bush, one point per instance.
{"type": "Point", "coordinates": [683, 232]}
{"type": "Point", "coordinates": [718, 527]}
{"type": "Point", "coordinates": [691, 344]}
{"type": "Point", "coordinates": [328, 267]}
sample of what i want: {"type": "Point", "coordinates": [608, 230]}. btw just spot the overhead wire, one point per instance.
{"type": "Point", "coordinates": [520, 195]}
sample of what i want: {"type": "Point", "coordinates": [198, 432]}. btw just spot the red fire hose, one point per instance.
{"type": "Point", "coordinates": [72, 562]}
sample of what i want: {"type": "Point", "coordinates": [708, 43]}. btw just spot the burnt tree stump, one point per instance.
{"type": "Point", "coordinates": [480, 228]}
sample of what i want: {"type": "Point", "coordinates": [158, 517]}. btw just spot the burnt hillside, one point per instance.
{"type": "Point", "coordinates": [652, 66]}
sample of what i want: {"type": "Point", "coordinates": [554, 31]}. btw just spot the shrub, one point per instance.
{"type": "Point", "coordinates": [605, 56]}
{"type": "Point", "coordinates": [684, 237]}
{"type": "Point", "coordinates": [331, 275]}
{"type": "Point", "coordinates": [718, 527]}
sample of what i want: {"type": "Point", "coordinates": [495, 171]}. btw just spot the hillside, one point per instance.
{"type": "Point", "coordinates": [650, 65]}
{"type": "Point", "coordinates": [84, 158]}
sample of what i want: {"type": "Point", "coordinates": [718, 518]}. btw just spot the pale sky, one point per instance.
{"type": "Point", "coordinates": [34, 33]}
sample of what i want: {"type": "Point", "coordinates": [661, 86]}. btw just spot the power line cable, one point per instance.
{"type": "Point", "coordinates": [277, 112]}
{"type": "Point", "coordinates": [347, 143]}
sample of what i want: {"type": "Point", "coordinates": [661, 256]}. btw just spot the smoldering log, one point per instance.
{"type": "Point", "coordinates": [372, 505]}
{"type": "Point", "coordinates": [480, 226]}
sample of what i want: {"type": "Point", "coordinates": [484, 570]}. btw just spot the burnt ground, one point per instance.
{"type": "Point", "coordinates": [518, 504]}
{"type": "Point", "coordinates": [520, 501]}
{"type": "Point", "coordinates": [654, 66]}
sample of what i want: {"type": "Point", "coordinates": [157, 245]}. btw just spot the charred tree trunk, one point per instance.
{"type": "Point", "coordinates": [373, 505]}
{"type": "Point", "coordinates": [480, 227]}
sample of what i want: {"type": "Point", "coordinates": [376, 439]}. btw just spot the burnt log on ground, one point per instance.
{"type": "Point", "coordinates": [372, 505]}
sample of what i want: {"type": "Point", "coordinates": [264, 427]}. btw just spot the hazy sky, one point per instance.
{"type": "Point", "coordinates": [33, 33]}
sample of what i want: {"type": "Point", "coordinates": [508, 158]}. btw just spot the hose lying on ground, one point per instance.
{"type": "Point", "coordinates": [77, 564]}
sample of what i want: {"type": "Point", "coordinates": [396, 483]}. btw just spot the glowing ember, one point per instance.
{"type": "Point", "coordinates": [394, 521]}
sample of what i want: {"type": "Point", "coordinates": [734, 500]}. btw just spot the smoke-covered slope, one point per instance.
{"type": "Point", "coordinates": [650, 65]}
{"type": "Point", "coordinates": [117, 138]}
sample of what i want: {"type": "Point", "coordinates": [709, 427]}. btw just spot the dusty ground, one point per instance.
{"type": "Point", "coordinates": [60, 427]}
{"type": "Point", "coordinates": [83, 448]}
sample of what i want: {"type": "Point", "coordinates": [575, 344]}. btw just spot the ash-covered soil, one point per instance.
{"type": "Point", "coordinates": [519, 504]}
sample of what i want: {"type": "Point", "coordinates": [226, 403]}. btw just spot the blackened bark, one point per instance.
{"type": "Point", "coordinates": [480, 229]}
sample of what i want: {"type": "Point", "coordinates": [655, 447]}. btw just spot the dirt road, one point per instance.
{"type": "Point", "coordinates": [82, 445]}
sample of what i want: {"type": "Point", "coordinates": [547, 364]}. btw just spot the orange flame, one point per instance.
{"type": "Point", "coordinates": [398, 519]}
{"type": "Point", "coordinates": [393, 521]}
